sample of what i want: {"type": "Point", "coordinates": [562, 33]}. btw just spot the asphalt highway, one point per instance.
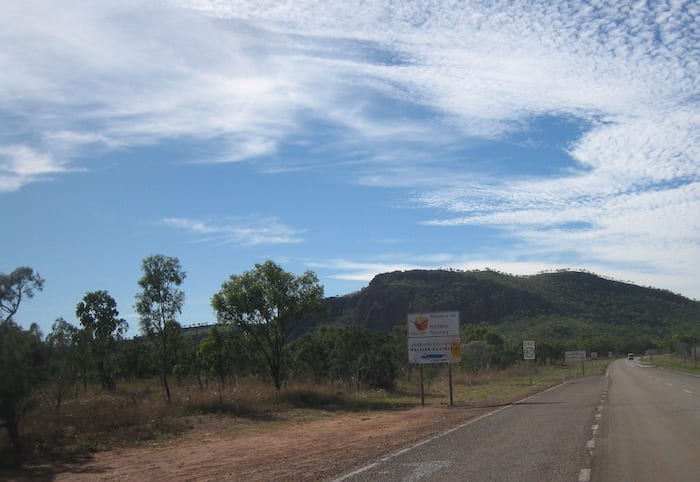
{"type": "Point", "coordinates": [543, 438]}
{"type": "Point", "coordinates": [650, 429]}
{"type": "Point", "coordinates": [636, 423]}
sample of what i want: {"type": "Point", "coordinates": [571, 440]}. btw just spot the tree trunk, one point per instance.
{"type": "Point", "coordinates": [277, 376]}
{"type": "Point", "coordinates": [57, 405]}
{"type": "Point", "coordinates": [13, 432]}
{"type": "Point", "coordinates": [164, 378]}
{"type": "Point", "coordinates": [278, 382]}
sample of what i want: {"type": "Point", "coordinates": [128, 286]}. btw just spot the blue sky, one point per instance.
{"type": "Point", "coordinates": [348, 138]}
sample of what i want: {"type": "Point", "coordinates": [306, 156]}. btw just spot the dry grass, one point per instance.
{"type": "Point", "coordinates": [500, 386]}
{"type": "Point", "coordinates": [137, 413]}
{"type": "Point", "coordinates": [675, 363]}
{"type": "Point", "coordinates": [96, 420]}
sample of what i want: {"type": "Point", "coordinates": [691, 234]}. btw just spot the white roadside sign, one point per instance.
{"type": "Point", "coordinates": [425, 325]}
{"type": "Point", "coordinates": [438, 349]}
{"type": "Point", "coordinates": [574, 356]}
{"type": "Point", "coordinates": [529, 349]}
{"type": "Point", "coordinates": [434, 337]}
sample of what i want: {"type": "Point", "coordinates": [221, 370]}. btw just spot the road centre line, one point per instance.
{"type": "Point", "coordinates": [690, 392]}
{"type": "Point", "coordinates": [585, 473]}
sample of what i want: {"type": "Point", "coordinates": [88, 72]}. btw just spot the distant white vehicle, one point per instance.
{"type": "Point", "coordinates": [630, 356]}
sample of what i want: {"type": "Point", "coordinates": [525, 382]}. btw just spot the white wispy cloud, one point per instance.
{"type": "Point", "coordinates": [249, 231]}
{"type": "Point", "coordinates": [361, 270]}
{"type": "Point", "coordinates": [133, 73]}
{"type": "Point", "coordinates": [364, 271]}
{"type": "Point", "coordinates": [20, 165]}
{"type": "Point", "coordinates": [258, 74]}
{"type": "Point", "coordinates": [486, 67]}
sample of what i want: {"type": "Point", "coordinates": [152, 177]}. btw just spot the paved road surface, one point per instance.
{"type": "Point", "coordinates": [543, 438]}
{"type": "Point", "coordinates": [650, 428]}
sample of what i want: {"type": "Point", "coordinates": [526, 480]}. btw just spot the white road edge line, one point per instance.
{"type": "Point", "coordinates": [688, 391]}
{"type": "Point", "coordinates": [440, 435]}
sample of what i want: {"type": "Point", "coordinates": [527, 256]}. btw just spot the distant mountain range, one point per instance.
{"type": "Point", "coordinates": [561, 305]}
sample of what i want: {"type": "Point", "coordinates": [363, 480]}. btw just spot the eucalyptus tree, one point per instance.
{"type": "Point", "coordinates": [268, 304]}
{"type": "Point", "coordinates": [477, 355]}
{"type": "Point", "coordinates": [352, 354]}
{"type": "Point", "coordinates": [16, 286]}
{"type": "Point", "coordinates": [102, 329]}
{"type": "Point", "coordinates": [158, 304]}
{"type": "Point", "coordinates": [22, 370]}
{"type": "Point", "coordinates": [63, 363]}
{"type": "Point", "coordinates": [22, 354]}
{"type": "Point", "coordinates": [221, 354]}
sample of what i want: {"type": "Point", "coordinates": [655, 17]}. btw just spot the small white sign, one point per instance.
{"type": "Point", "coordinates": [574, 356]}
{"type": "Point", "coordinates": [424, 325]}
{"type": "Point", "coordinates": [529, 350]}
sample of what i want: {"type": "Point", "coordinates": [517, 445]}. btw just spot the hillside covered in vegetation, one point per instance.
{"type": "Point", "coordinates": [580, 308]}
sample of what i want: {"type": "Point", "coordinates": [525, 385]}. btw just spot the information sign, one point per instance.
{"type": "Point", "coordinates": [574, 356]}
{"type": "Point", "coordinates": [434, 337]}
{"type": "Point", "coordinates": [529, 349]}
{"type": "Point", "coordinates": [439, 349]}
{"type": "Point", "coordinates": [424, 325]}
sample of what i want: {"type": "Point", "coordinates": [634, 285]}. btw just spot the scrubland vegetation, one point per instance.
{"type": "Point", "coordinates": [280, 353]}
{"type": "Point", "coordinates": [686, 363]}
{"type": "Point", "coordinates": [136, 413]}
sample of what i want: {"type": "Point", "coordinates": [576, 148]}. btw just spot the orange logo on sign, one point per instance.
{"type": "Point", "coordinates": [421, 323]}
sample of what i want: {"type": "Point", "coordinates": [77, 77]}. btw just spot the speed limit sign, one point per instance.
{"type": "Point", "coordinates": [529, 350]}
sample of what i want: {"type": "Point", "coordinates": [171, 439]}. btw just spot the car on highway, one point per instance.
{"type": "Point", "coordinates": [630, 356]}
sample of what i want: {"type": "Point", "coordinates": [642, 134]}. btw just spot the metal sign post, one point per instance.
{"type": "Point", "coordinates": [570, 357]}
{"type": "Point", "coordinates": [422, 393]}
{"type": "Point", "coordinates": [529, 355]}
{"type": "Point", "coordinates": [449, 370]}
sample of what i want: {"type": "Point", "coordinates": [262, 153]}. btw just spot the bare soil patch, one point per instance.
{"type": "Point", "coordinates": [296, 446]}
